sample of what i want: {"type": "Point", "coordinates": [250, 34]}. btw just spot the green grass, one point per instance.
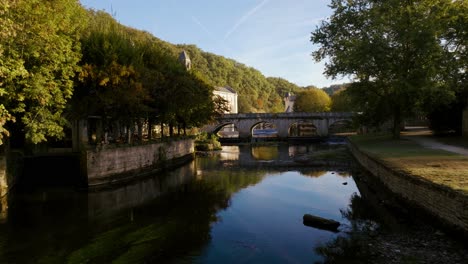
{"type": "Point", "coordinates": [438, 166]}
{"type": "Point", "coordinates": [385, 146]}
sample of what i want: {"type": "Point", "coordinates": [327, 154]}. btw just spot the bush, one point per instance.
{"type": "Point", "coordinates": [206, 142]}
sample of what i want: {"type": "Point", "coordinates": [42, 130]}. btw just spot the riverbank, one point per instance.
{"type": "Point", "coordinates": [433, 180]}
{"type": "Point", "coordinates": [429, 179]}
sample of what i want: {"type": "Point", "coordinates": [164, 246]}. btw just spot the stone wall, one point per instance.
{"type": "Point", "coordinates": [112, 165]}
{"type": "Point", "coordinates": [447, 206]}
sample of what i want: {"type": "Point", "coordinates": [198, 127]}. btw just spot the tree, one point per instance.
{"type": "Point", "coordinates": [312, 100]}
{"type": "Point", "coordinates": [392, 49]}
{"type": "Point", "coordinates": [39, 56]}
{"type": "Point", "coordinates": [341, 101]}
{"type": "Point", "coordinates": [446, 115]}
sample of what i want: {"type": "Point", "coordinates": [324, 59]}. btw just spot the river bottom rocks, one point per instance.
{"type": "Point", "coordinates": [418, 246]}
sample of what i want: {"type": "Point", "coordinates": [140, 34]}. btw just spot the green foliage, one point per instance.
{"type": "Point", "coordinates": [256, 92]}
{"type": "Point", "coordinates": [312, 100]}
{"type": "Point", "coordinates": [207, 142]}
{"type": "Point", "coordinates": [445, 109]}
{"type": "Point", "coordinates": [395, 50]}
{"type": "Point", "coordinates": [129, 74]}
{"type": "Point", "coordinates": [341, 101]}
{"type": "Point", "coordinates": [332, 89]}
{"type": "Point", "coordinates": [283, 86]}
{"type": "Point", "coordinates": [39, 56]}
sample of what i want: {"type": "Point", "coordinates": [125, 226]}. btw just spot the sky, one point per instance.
{"type": "Point", "coordinates": [272, 36]}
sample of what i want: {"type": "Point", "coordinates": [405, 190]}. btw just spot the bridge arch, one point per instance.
{"type": "Point", "coordinates": [226, 130]}
{"type": "Point", "coordinates": [245, 123]}
{"type": "Point", "coordinates": [302, 129]}
{"type": "Point", "coordinates": [264, 129]}
{"type": "Point", "coordinates": [341, 126]}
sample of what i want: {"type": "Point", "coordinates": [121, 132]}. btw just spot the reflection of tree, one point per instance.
{"type": "Point", "coordinates": [313, 174]}
{"type": "Point", "coordinates": [369, 216]}
{"type": "Point", "coordinates": [177, 223]}
{"type": "Point", "coordinates": [351, 248]}
{"type": "Point", "coordinates": [167, 228]}
{"type": "Point", "coordinates": [265, 152]}
{"type": "Point", "coordinates": [231, 181]}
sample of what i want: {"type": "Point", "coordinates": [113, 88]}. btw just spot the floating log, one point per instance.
{"type": "Point", "coordinates": [321, 223]}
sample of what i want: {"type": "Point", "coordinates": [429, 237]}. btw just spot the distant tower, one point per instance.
{"type": "Point", "coordinates": [289, 100]}
{"type": "Point", "coordinates": [185, 60]}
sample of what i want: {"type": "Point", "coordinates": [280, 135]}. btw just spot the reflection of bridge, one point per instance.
{"type": "Point", "coordinates": [283, 122]}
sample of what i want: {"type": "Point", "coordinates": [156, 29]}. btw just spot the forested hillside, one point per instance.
{"type": "Point", "coordinates": [256, 92]}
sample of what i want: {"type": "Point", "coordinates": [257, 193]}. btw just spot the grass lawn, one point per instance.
{"type": "Point", "coordinates": [438, 166]}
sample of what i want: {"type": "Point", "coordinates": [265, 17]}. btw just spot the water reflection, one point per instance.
{"type": "Point", "coordinates": [112, 200]}
{"type": "Point", "coordinates": [265, 152]}
{"type": "Point", "coordinates": [230, 153]}
{"type": "Point", "coordinates": [263, 224]}
{"type": "Point", "coordinates": [204, 212]}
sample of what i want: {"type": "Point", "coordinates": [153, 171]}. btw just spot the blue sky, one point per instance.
{"type": "Point", "coordinates": [272, 36]}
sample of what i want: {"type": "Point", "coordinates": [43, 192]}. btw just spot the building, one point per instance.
{"type": "Point", "coordinates": [185, 60]}
{"type": "Point", "coordinates": [230, 95]}
{"type": "Point", "coordinates": [289, 100]}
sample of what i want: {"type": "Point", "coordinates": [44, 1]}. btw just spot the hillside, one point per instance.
{"type": "Point", "coordinates": [256, 92]}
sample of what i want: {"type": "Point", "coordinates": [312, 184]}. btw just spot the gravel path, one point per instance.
{"type": "Point", "coordinates": [431, 143]}
{"type": "Point", "coordinates": [422, 136]}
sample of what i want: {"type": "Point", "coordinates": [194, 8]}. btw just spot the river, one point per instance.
{"type": "Point", "coordinates": [234, 206]}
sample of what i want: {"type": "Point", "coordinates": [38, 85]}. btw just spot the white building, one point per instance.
{"type": "Point", "coordinates": [289, 100]}
{"type": "Point", "coordinates": [228, 94]}
{"type": "Point", "coordinates": [185, 60]}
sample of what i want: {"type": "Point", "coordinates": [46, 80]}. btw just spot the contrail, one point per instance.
{"type": "Point", "coordinates": [244, 18]}
{"type": "Point", "coordinates": [203, 27]}
{"type": "Point", "coordinates": [208, 32]}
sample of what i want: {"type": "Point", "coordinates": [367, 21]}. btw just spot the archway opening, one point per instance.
{"type": "Point", "coordinates": [302, 129]}
{"type": "Point", "coordinates": [227, 131]}
{"type": "Point", "coordinates": [264, 130]}
{"type": "Point", "coordinates": [341, 128]}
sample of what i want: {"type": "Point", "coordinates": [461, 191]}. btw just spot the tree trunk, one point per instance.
{"type": "Point", "coordinates": [396, 123]}
{"type": "Point", "coordinates": [140, 130]}
{"type": "Point", "coordinates": [162, 130]}
{"type": "Point", "coordinates": [150, 129]}
{"type": "Point", "coordinates": [129, 135]}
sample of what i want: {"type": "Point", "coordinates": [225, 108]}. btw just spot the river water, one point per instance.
{"type": "Point", "coordinates": [234, 206]}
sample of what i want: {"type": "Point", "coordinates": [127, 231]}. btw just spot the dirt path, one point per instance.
{"type": "Point", "coordinates": [423, 137]}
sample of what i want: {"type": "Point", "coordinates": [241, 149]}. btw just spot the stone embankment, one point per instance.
{"type": "Point", "coordinates": [447, 206]}
{"type": "Point", "coordinates": [108, 166]}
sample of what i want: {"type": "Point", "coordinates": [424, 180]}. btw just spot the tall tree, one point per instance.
{"type": "Point", "coordinates": [445, 115]}
{"type": "Point", "coordinates": [391, 48]}
{"type": "Point", "coordinates": [342, 101]}
{"type": "Point", "coordinates": [39, 54]}
{"type": "Point", "coordinates": [312, 100]}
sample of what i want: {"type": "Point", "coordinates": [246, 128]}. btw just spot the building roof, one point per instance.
{"type": "Point", "coordinates": [225, 89]}
{"type": "Point", "coordinates": [183, 56]}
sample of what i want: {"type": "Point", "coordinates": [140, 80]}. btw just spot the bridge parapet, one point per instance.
{"type": "Point", "coordinates": [293, 115]}
{"type": "Point", "coordinates": [245, 122]}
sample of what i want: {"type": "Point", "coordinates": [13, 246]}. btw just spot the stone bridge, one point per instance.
{"type": "Point", "coordinates": [282, 122]}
